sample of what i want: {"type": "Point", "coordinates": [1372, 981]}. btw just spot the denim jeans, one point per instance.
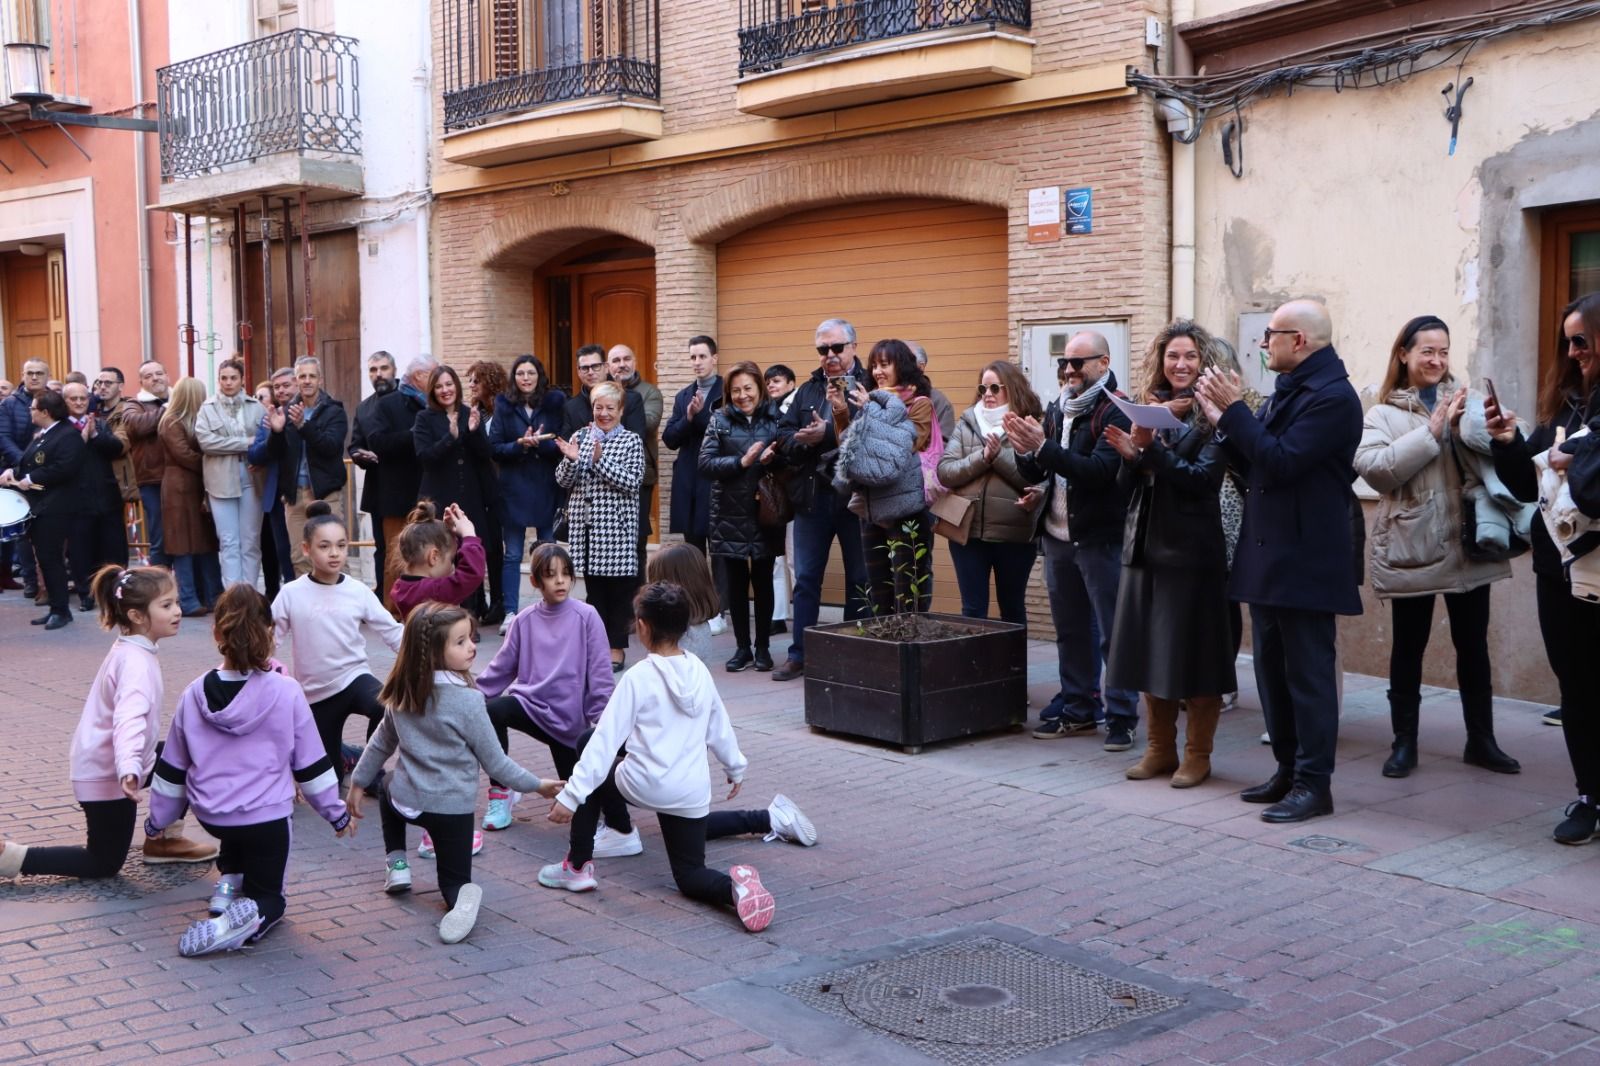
{"type": "Point", "coordinates": [1082, 584]}
{"type": "Point", "coordinates": [238, 522]}
{"type": "Point", "coordinates": [1011, 565]}
{"type": "Point", "coordinates": [814, 531]}
{"type": "Point", "coordinates": [516, 538]}
{"type": "Point", "coordinates": [150, 496]}
{"type": "Point", "coordinates": [199, 580]}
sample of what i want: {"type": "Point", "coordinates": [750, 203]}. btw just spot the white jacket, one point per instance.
{"type": "Point", "coordinates": [667, 711]}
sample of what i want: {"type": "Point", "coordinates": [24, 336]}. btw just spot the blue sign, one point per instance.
{"type": "Point", "coordinates": [1080, 210]}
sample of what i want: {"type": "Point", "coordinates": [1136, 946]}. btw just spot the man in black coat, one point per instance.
{"type": "Point", "coordinates": [1292, 565]}
{"type": "Point", "coordinates": [307, 441]}
{"type": "Point", "coordinates": [592, 369]}
{"type": "Point", "coordinates": [54, 473]}
{"type": "Point", "coordinates": [99, 535]}
{"type": "Point", "coordinates": [370, 424]}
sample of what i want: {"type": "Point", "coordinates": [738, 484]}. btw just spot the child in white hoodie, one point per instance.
{"type": "Point", "coordinates": [668, 712]}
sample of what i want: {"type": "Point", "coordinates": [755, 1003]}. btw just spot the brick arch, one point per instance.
{"type": "Point", "coordinates": [530, 236]}
{"type": "Point", "coordinates": [783, 191]}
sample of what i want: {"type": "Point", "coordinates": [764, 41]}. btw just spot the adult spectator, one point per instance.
{"type": "Point", "coordinates": [485, 383]}
{"type": "Point", "coordinates": [191, 538]}
{"type": "Point", "coordinates": [780, 391]}
{"type": "Point", "coordinates": [452, 445]}
{"type": "Point", "coordinates": [527, 419]}
{"type": "Point", "coordinates": [394, 448]}
{"type": "Point", "coordinates": [943, 410]}
{"type": "Point", "coordinates": [6, 388]}
{"type": "Point", "coordinates": [1171, 640]}
{"type": "Point", "coordinates": [106, 401]}
{"type": "Point", "coordinates": [1294, 562]}
{"type": "Point", "coordinates": [307, 442]}
{"type": "Point", "coordinates": [1417, 452]}
{"type": "Point", "coordinates": [1085, 508]}
{"type": "Point", "coordinates": [277, 558]}
{"type": "Point", "coordinates": [99, 535]}
{"type": "Point", "coordinates": [980, 466]}
{"type": "Point", "coordinates": [56, 476]}
{"type": "Point", "coordinates": [1570, 626]}
{"type": "Point", "coordinates": [74, 377]}
{"type": "Point", "coordinates": [368, 422]}
{"type": "Point", "coordinates": [139, 423]}
{"type": "Point", "coordinates": [225, 428]}
{"type": "Point", "coordinates": [622, 365]}
{"type": "Point", "coordinates": [17, 428]}
{"type": "Point", "coordinates": [810, 443]}
{"type": "Point", "coordinates": [692, 408]}
{"type": "Point", "coordinates": [737, 450]}
{"type": "Point", "coordinates": [592, 366]}
{"type": "Point", "coordinates": [602, 467]}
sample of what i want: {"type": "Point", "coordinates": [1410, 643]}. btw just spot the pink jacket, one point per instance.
{"type": "Point", "coordinates": [121, 722]}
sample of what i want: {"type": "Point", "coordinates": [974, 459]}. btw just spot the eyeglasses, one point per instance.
{"type": "Point", "coordinates": [1578, 342]}
{"type": "Point", "coordinates": [1267, 334]}
{"type": "Point", "coordinates": [836, 349]}
{"type": "Point", "coordinates": [1076, 362]}
{"type": "Point", "coordinates": [992, 390]}
{"type": "Point", "coordinates": [105, 384]}
{"type": "Point", "coordinates": [589, 368]}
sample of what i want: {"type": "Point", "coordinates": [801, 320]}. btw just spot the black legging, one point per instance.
{"type": "Point", "coordinates": [739, 576]}
{"type": "Point", "coordinates": [613, 598]}
{"type": "Point", "coordinates": [106, 849]}
{"type": "Point", "coordinates": [1469, 632]}
{"type": "Point", "coordinates": [1571, 628]}
{"type": "Point", "coordinates": [260, 852]}
{"type": "Point", "coordinates": [452, 842]}
{"type": "Point", "coordinates": [358, 697]}
{"type": "Point", "coordinates": [506, 714]}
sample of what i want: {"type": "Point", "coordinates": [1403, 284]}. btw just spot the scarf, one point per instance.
{"type": "Point", "coordinates": [990, 419]}
{"type": "Point", "coordinates": [1075, 407]}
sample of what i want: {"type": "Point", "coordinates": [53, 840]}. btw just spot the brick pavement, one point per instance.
{"type": "Point", "coordinates": [1445, 928]}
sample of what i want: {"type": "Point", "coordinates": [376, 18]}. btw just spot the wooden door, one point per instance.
{"type": "Point", "coordinates": [55, 265]}
{"type": "Point", "coordinates": [27, 311]}
{"type": "Point", "coordinates": [619, 307]}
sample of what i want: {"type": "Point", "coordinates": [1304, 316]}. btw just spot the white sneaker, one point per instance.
{"type": "Point", "coordinates": [398, 879]}
{"type": "Point", "coordinates": [224, 893]}
{"type": "Point", "coordinates": [610, 844]}
{"type": "Point", "coordinates": [718, 625]}
{"type": "Point", "coordinates": [1266, 738]}
{"type": "Point", "coordinates": [454, 927]}
{"type": "Point", "coordinates": [789, 822]}
{"type": "Point", "coordinates": [227, 931]}
{"type": "Point", "coordinates": [560, 875]}
{"type": "Point", "coordinates": [501, 800]}
{"type": "Point", "coordinates": [505, 627]}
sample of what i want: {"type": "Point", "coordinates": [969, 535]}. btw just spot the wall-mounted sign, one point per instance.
{"type": "Point", "coordinates": [1044, 214]}
{"type": "Point", "coordinates": [1080, 210]}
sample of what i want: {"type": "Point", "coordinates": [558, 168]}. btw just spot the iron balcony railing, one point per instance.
{"type": "Point", "coordinates": [772, 32]}
{"type": "Point", "coordinates": [296, 91]}
{"type": "Point", "coordinates": [506, 56]}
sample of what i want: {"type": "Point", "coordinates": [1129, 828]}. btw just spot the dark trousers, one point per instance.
{"type": "Point", "coordinates": [277, 557]}
{"type": "Point", "coordinates": [814, 531]}
{"type": "Point", "coordinates": [1469, 632]}
{"type": "Point", "coordinates": [110, 824]}
{"type": "Point", "coordinates": [1236, 625]}
{"type": "Point", "coordinates": [647, 507]}
{"type": "Point", "coordinates": [52, 533]}
{"type": "Point", "coordinates": [613, 598]}
{"type": "Point", "coordinates": [1571, 630]}
{"type": "Point", "coordinates": [108, 538]}
{"type": "Point", "coordinates": [899, 575]}
{"type": "Point", "coordinates": [380, 557]}
{"type": "Point", "coordinates": [452, 842]}
{"type": "Point", "coordinates": [1011, 565]}
{"type": "Point", "coordinates": [1082, 582]}
{"type": "Point", "coordinates": [358, 697]}
{"type": "Point", "coordinates": [1297, 679]}
{"type": "Point", "coordinates": [739, 578]}
{"type": "Point", "coordinates": [506, 714]}
{"type": "Point", "coordinates": [260, 853]}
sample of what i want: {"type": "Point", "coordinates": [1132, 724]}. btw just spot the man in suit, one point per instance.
{"type": "Point", "coordinates": [53, 471]}
{"type": "Point", "coordinates": [1293, 561]}
{"type": "Point", "coordinates": [307, 443]}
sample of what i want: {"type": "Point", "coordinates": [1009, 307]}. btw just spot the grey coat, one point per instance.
{"type": "Point", "coordinates": [878, 462]}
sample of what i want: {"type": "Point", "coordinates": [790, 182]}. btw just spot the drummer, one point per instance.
{"type": "Point", "coordinates": [55, 476]}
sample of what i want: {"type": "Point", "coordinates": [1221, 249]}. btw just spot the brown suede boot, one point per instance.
{"type": "Point", "coordinates": [1161, 745]}
{"type": "Point", "coordinates": [1199, 732]}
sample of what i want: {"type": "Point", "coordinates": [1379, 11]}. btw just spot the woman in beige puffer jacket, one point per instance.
{"type": "Point", "coordinates": [1410, 454]}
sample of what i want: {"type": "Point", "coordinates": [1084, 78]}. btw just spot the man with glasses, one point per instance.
{"type": "Point", "coordinates": [621, 364]}
{"type": "Point", "coordinates": [1293, 563]}
{"type": "Point", "coordinates": [138, 421]}
{"type": "Point", "coordinates": [807, 439]}
{"type": "Point", "coordinates": [306, 441]}
{"type": "Point", "coordinates": [277, 555]}
{"type": "Point", "coordinates": [1084, 509]}
{"type": "Point", "coordinates": [592, 368]}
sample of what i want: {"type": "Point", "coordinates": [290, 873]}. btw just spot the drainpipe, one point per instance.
{"type": "Point", "coordinates": [423, 151]}
{"type": "Point", "coordinates": [141, 189]}
{"type": "Point", "coordinates": [1183, 196]}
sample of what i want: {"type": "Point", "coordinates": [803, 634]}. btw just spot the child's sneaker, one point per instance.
{"type": "Point", "coordinates": [789, 822]}
{"type": "Point", "coordinates": [610, 844]}
{"type": "Point", "coordinates": [560, 875]}
{"type": "Point", "coordinates": [501, 800]}
{"type": "Point", "coordinates": [225, 932]}
{"type": "Point", "coordinates": [224, 894]}
{"type": "Point", "coordinates": [398, 878]}
{"type": "Point", "coordinates": [425, 849]}
{"type": "Point", "coordinates": [454, 927]}
{"type": "Point", "coordinates": [755, 904]}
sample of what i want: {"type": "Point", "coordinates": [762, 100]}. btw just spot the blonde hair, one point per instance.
{"type": "Point", "coordinates": [607, 388]}
{"type": "Point", "coordinates": [1156, 385]}
{"type": "Point", "coordinates": [186, 397]}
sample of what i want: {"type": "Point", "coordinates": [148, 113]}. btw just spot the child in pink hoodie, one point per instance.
{"type": "Point", "coordinates": [441, 558]}
{"type": "Point", "coordinates": [115, 743]}
{"type": "Point", "coordinates": [241, 739]}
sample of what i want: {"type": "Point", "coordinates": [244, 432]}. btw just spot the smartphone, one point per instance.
{"type": "Point", "coordinates": [842, 384]}
{"type": "Point", "coordinates": [1488, 388]}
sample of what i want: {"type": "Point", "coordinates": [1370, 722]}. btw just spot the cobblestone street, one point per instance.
{"type": "Point", "coordinates": [1431, 920]}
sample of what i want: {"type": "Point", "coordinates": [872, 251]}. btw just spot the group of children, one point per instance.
{"type": "Point", "coordinates": [251, 735]}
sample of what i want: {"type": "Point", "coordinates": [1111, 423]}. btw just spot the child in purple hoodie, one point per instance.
{"type": "Point", "coordinates": [241, 738]}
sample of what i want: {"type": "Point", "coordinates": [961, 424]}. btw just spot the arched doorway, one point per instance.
{"type": "Point", "coordinates": [601, 292]}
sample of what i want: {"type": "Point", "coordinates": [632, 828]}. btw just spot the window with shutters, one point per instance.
{"type": "Point", "coordinates": [1570, 269]}
{"type": "Point", "coordinates": [275, 16]}
{"type": "Point", "coordinates": [28, 21]}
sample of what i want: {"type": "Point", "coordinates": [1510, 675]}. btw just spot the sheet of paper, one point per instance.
{"type": "Point", "coordinates": [1147, 415]}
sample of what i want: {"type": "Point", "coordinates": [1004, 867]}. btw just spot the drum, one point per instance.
{"type": "Point", "coordinates": [14, 515]}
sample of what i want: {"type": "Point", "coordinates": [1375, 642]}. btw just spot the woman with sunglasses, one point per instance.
{"type": "Point", "coordinates": [1415, 453]}
{"type": "Point", "coordinates": [1568, 398]}
{"type": "Point", "coordinates": [980, 465]}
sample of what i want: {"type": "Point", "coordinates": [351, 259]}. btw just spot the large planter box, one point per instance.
{"type": "Point", "coordinates": [915, 693]}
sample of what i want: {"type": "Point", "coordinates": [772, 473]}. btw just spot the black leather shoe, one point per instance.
{"type": "Point", "coordinates": [764, 660]}
{"type": "Point", "coordinates": [1483, 751]}
{"type": "Point", "coordinates": [742, 660]}
{"type": "Point", "coordinates": [1271, 790]}
{"type": "Point", "coordinates": [41, 621]}
{"type": "Point", "coordinates": [56, 621]}
{"type": "Point", "coordinates": [1402, 757]}
{"type": "Point", "coordinates": [780, 627]}
{"type": "Point", "coordinates": [86, 605]}
{"type": "Point", "coordinates": [1301, 803]}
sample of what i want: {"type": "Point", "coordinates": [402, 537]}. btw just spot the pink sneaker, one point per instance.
{"type": "Point", "coordinates": [756, 905]}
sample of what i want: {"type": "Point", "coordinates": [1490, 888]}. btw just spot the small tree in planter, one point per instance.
{"type": "Point", "coordinates": [911, 678]}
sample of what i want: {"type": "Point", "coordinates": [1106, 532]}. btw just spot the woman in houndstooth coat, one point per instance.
{"type": "Point", "coordinates": [602, 468]}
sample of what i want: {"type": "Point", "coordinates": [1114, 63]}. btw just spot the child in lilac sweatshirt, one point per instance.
{"type": "Point", "coordinates": [441, 556]}
{"type": "Point", "coordinates": [241, 738]}
{"type": "Point", "coordinates": [551, 679]}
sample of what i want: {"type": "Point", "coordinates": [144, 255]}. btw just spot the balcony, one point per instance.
{"type": "Point", "coordinates": [530, 79]}
{"type": "Point", "coordinates": [277, 116]}
{"type": "Point", "coordinates": [802, 56]}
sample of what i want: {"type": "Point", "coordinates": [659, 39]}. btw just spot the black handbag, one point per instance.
{"type": "Point", "coordinates": [774, 508]}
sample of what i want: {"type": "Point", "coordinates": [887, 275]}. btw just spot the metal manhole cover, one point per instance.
{"type": "Point", "coordinates": [136, 881]}
{"type": "Point", "coordinates": [978, 1001]}
{"type": "Point", "coordinates": [1325, 844]}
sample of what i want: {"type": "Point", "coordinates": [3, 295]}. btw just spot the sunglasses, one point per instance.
{"type": "Point", "coordinates": [836, 349]}
{"type": "Point", "coordinates": [1267, 334]}
{"type": "Point", "coordinates": [992, 390]}
{"type": "Point", "coordinates": [1076, 362]}
{"type": "Point", "coordinates": [1578, 342]}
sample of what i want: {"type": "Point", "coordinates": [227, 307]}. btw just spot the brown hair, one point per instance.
{"type": "Point", "coordinates": [1566, 375]}
{"type": "Point", "coordinates": [750, 370]}
{"type": "Point", "coordinates": [1020, 397]}
{"type": "Point", "coordinates": [1396, 376]}
{"type": "Point", "coordinates": [542, 563]}
{"type": "Point", "coordinates": [684, 565]}
{"type": "Point", "coordinates": [423, 530]}
{"type": "Point", "coordinates": [491, 382]}
{"type": "Point", "coordinates": [665, 607]}
{"type": "Point", "coordinates": [242, 628]}
{"type": "Point", "coordinates": [409, 687]}
{"type": "Point", "coordinates": [444, 370]}
{"type": "Point", "coordinates": [234, 364]}
{"type": "Point", "coordinates": [1157, 387]}
{"type": "Point", "coordinates": [119, 591]}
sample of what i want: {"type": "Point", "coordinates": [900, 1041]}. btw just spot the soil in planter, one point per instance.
{"type": "Point", "coordinates": [914, 628]}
